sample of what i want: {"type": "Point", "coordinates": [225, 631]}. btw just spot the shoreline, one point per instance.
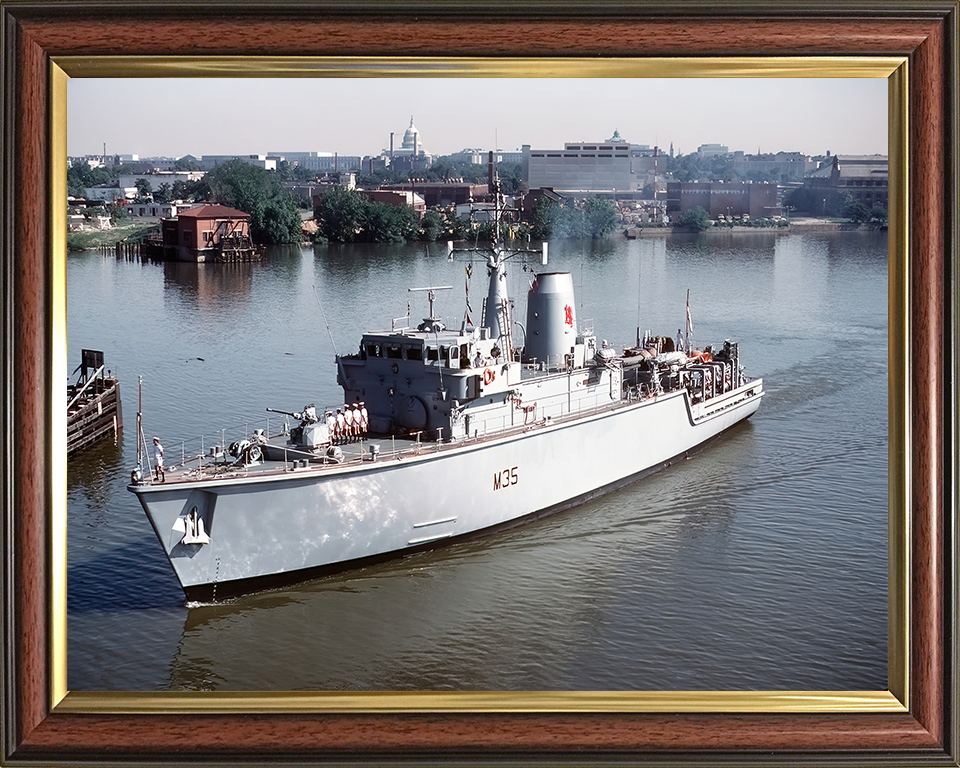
{"type": "Point", "coordinates": [632, 233]}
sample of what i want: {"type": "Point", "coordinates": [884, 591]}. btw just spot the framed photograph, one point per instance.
{"type": "Point", "coordinates": [911, 46]}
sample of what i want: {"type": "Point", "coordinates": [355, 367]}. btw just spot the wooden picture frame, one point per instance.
{"type": "Point", "coordinates": [916, 721]}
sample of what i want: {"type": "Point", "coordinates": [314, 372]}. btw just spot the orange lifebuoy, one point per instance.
{"type": "Point", "coordinates": [488, 376]}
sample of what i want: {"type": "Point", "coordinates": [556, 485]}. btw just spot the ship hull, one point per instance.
{"type": "Point", "coordinates": [273, 530]}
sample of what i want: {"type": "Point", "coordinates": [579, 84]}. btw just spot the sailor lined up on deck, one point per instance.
{"type": "Point", "coordinates": [349, 423]}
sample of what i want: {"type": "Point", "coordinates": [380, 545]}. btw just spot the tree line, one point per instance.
{"type": "Point", "coordinates": [347, 216]}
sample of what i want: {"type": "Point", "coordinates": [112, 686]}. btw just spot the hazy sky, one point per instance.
{"type": "Point", "coordinates": [355, 116]}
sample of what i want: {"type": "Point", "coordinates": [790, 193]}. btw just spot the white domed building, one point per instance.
{"type": "Point", "coordinates": [411, 153]}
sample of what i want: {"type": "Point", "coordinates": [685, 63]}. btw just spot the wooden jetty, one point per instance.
{"type": "Point", "coordinates": [227, 250]}
{"type": "Point", "coordinates": [93, 403]}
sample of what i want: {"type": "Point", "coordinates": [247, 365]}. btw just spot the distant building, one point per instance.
{"type": "Point", "coordinates": [311, 190]}
{"type": "Point", "coordinates": [410, 155]}
{"type": "Point", "coordinates": [163, 210]}
{"type": "Point", "coordinates": [711, 150]}
{"type": "Point", "coordinates": [156, 179]}
{"type": "Point", "coordinates": [756, 200]}
{"type": "Point", "coordinates": [110, 194]}
{"type": "Point", "coordinates": [441, 193]}
{"type": "Point", "coordinates": [208, 233]}
{"type": "Point", "coordinates": [207, 162]}
{"type": "Point", "coordinates": [782, 166]}
{"type": "Point", "coordinates": [99, 161]}
{"type": "Point", "coordinates": [322, 162]}
{"type": "Point", "coordinates": [163, 163]}
{"type": "Point", "coordinates": [479, 157]}
{"type": "Point", "coordinates": [581, 167]}
{"type": "Point", "coordinates": [396, 198]}
{"type": "Point", "coordinates": [863, 177]}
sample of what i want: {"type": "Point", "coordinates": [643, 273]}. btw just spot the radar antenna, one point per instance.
{"type": "Point", "coordinates": [431, 324]}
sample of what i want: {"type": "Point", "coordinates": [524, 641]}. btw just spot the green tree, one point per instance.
{"type": "Point", "coordinates": [600, 217]}
{"type": "Point", "coordinates": [800, 199]}
{"type": "Point", "coordinates": [696, 218]}
{"type": "Point", "coordinates": [144, 189]}
{"type": "Point", "coordinates": [274, 215]}
{"type": "Point", "coordinates": [853, 209]}
{"type": "Point", "coordinates": [433, 225]}
{"type": "Point", "coordinates": [164, 193]}
{"type": "Point", "coordinates": [878, 215]}
{"type": "Point", "coordinates": [187, 163]}
{"type": "Point", "coordinates": [341, 215]}
{"type": "Point", "coordinates": [543, 217]}
{"type": "Point", "coordinates": [384, 223]}
{"type": "Point", "coordinates": [80, 176]}
{"type": "Point", "coordinates": [180, 191]}
{"type": "Point", "coordinates": [568, 222]}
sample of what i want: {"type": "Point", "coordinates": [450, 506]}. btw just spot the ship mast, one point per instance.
{"type": "Point", "coordinates": [496, 315]}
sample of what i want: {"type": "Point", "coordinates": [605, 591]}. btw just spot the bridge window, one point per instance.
{"type": "Point", "coordinates": [374, 350]}
{"type": "Point", "coordinates": [393, 352]}
{"type": "Point", "coordinates": [414, 353]}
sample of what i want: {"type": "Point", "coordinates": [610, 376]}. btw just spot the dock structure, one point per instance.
{"type": "Point", "coordinates": [227, 250]}
{"type": "Point", "coordinates": [94, 409]}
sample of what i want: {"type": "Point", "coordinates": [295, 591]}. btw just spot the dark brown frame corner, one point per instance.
{"type": "Point", "coordinates": [35, 34]}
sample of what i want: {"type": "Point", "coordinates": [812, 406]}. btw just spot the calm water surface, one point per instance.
{"type": "Point", "coordinates": [759, 564]}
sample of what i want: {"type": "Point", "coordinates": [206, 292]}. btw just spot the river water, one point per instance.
{"type": "Point", "coordinates": [759, 564]}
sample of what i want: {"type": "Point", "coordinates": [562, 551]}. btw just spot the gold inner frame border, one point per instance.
{"type": "Point", "coordinates": [895, 699]}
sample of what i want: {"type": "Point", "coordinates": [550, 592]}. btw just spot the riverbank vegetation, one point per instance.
{"type": "Point", "coordinates": [593, 217]}
{"type": "Point", "coordinates": [347, 216]}
{"type": "Point", "coordinates": [128, 231]}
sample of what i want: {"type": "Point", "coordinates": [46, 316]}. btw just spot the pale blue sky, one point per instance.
{"type": "Point", "coordinates": [355, 116]}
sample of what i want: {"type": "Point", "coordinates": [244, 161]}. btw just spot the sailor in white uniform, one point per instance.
{"type": "Point", "coordinates": [158, 459]}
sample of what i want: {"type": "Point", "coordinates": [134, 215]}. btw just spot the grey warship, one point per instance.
{"type": "Point", "coordinates": [443, 434]}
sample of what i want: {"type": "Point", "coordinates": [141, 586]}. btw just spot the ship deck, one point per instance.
{"type": "Point", "coordinates": [203, 467]}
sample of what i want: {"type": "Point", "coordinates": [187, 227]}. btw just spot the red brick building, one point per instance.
{"type": "Point", "coordinates": [208, 233]}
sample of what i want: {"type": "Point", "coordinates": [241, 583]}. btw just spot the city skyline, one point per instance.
{"type": "Point", "coordinates": [355, 116]}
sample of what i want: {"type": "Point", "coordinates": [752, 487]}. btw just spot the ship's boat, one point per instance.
{"type": "Point", "coordinates": [443, 434]}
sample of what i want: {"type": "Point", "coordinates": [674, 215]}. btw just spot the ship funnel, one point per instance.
{"type": "Point", "coordinates": [551, 319]}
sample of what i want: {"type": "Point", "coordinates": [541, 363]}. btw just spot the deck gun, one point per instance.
{"type": "Point", "coordinates": [311, 432]}
{"type": "Point", "coordinates": [308, 414]}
